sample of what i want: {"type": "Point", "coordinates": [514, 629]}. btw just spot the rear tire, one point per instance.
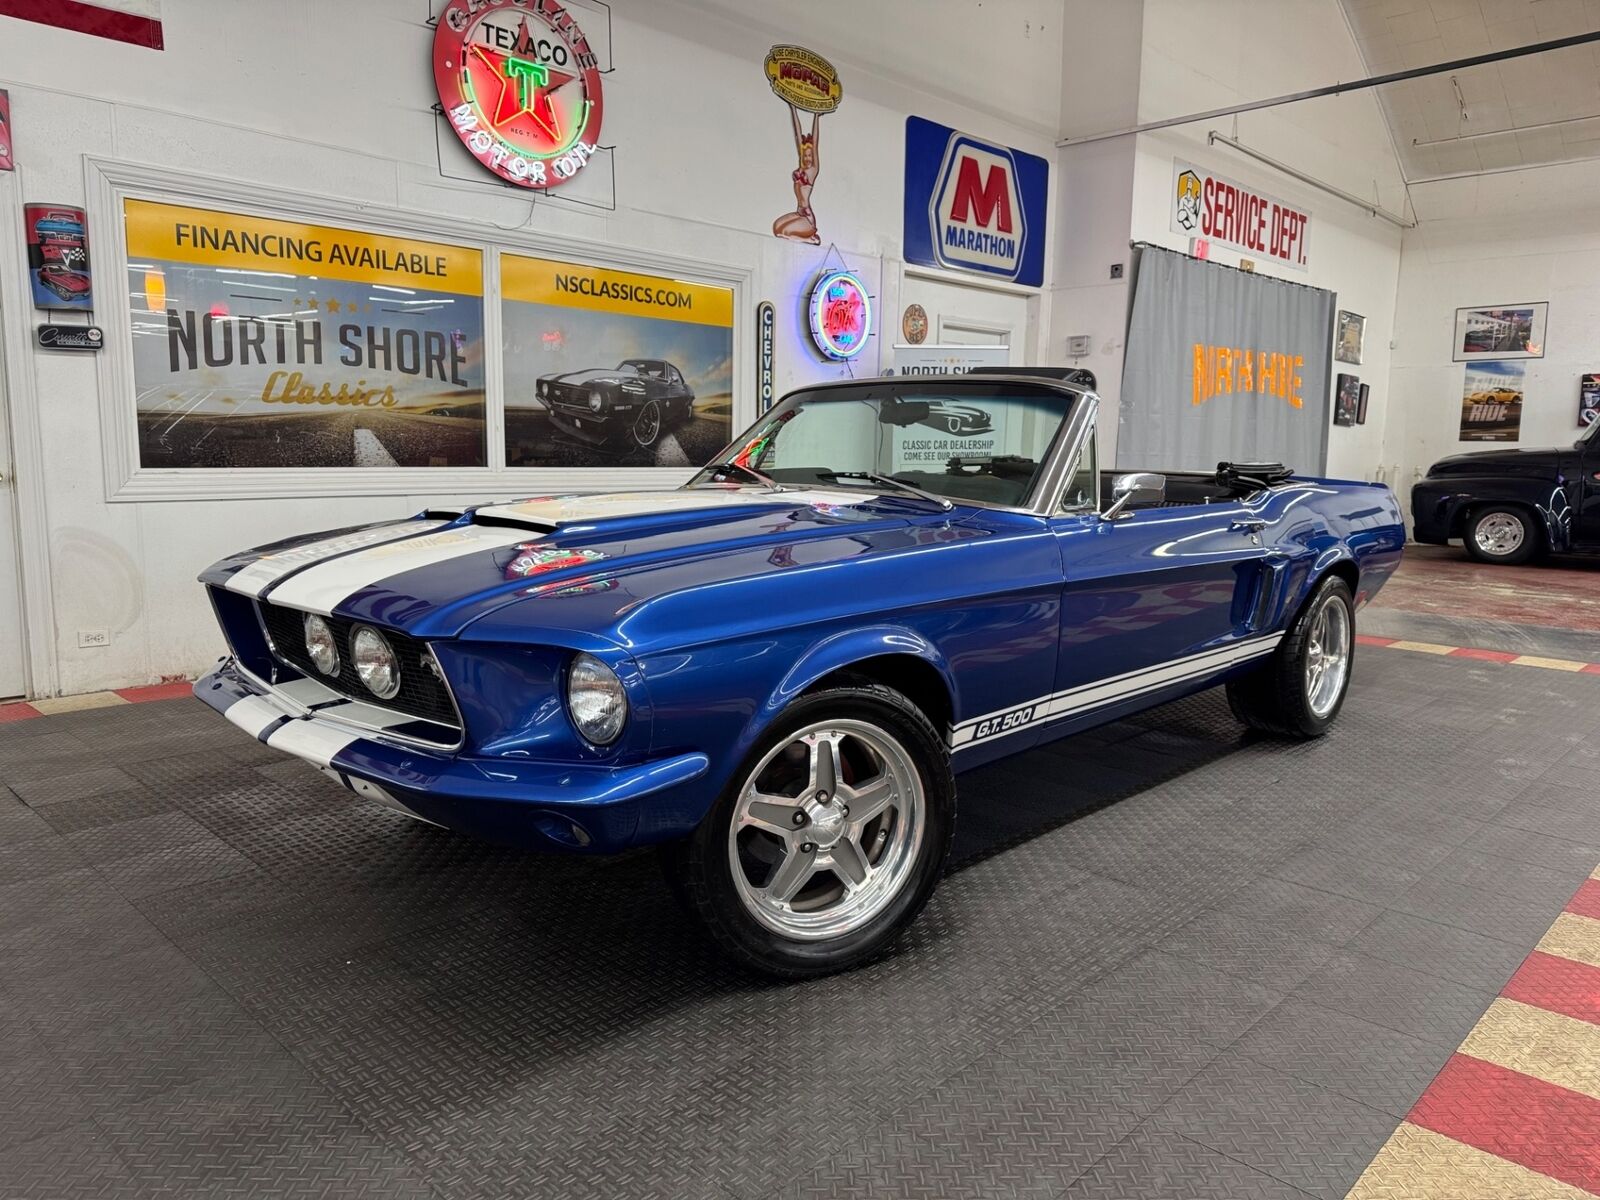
{"type": "Point", "coordinates": [795, 886]}
{"type": "Point", "coordinates": [1500, 534]}
{"type": "Point", "coordinates": [1300, 689]}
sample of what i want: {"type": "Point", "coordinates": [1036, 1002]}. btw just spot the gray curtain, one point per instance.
{"type": "Point", "coordinates": [1207, 374]}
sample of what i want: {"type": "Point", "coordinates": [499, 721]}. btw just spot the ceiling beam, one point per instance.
{"type": "Point", "coordinates": [1336, 89]}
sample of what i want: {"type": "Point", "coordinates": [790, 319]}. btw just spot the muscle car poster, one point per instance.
{"type": "Point", "coordinates": [6, 161]}
{"type": "Point", "coordinates": [58, 256]}
{"type": "Point", "coordinates": [264, 343]}
{"type": "Point", "coordinates": [609, 368]}
{"type": "Point", "coordinates": [1491, 402]}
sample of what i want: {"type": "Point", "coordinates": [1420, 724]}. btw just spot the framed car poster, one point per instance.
{"type": "Point", "coordinates": [1505, 331]}
{"type": "Point", "coordinates": [609, 368]}
{"type": "Point", "coordinates": [1491, 402]}
{"type": "Point", "coordinates": [267, 343]}
{"type": "Point", "coordinates": [1346, 399]}
{"type": "Point", "coordinates": [1588, 400]}
{"type": "Point", "coordinates": [58, 256]}
{"type": "Point", "coordinates": [1347, 342]}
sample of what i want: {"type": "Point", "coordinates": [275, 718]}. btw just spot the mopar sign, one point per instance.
{"type": "Point", "coordinates": [971, 205]}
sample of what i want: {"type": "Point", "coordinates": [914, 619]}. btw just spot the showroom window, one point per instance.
{"type": "Point", "coordinates": [265, 344]}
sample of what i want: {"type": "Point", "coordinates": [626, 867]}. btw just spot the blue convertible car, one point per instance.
{"type": "Point", "coordinates": [776, 671]}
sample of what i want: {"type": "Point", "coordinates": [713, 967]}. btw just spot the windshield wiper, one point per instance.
{"type": "Point", "coordinates": [733, 468]}
{"type": "Point", "coordinates": [888, 481]}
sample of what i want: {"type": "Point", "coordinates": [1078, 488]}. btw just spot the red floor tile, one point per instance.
{"type": "Point", "coordinates": [1558, 985]}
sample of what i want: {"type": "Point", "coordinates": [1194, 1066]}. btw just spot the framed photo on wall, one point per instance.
{"type": "Point", "coordinates": [1361, 405]}
{"type": "Point", "coordinates": [1346, 399]}
{"type": "Point", "coordinates": [1502, 331]}
{"type": "Point", "coordinates": [1588, 400]}
{"type": "Point", "coordinates": [1348, 338]}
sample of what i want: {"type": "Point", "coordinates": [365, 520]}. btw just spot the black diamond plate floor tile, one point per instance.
{"type": "Point", "coordinates": [1153, 1165]}
{"type": "Point", "coordinates": [1169, 959]}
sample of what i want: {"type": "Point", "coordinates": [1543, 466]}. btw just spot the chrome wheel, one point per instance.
{"type": "Point", "coordinates": [1327, 655]}
{"type": "Point", "coordinates": [1499, 534]}
{"type": "Point", "coordinates": [826, 830]}
{"type": "Point", "coordinates": [647, 426]}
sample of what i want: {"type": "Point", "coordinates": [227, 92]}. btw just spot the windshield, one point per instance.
{"type": "Point", "coordinates": [972, 442]}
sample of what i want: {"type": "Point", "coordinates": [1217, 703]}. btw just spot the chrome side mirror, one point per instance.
{"type": "Point", "coordinates": [1141, 487]}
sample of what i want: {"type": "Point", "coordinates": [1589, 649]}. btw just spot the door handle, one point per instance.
{"type": "Point", "coordinates": [1253, 525]}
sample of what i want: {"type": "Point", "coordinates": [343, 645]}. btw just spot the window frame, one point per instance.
{"type": "Point", "coordinates": [110, 182]}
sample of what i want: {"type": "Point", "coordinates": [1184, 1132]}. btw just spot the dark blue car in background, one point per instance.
{"type": "Point", "coordinates": [776, 671]}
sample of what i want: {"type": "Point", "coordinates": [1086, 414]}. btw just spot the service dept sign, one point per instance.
{"type": "Point", "coordinates": [520, 85]}
{"type": "Point", "coordinates": [972, 205]}
{"type": "Point", "coordinates": [1210, 206]}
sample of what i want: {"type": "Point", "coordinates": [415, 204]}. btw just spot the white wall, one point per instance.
{"type": "Point", "coordinates": [1523, 235]}
{"type": "Point", "coordinates": [1194, 60]}
{"type": "Point", "coordinates": [335, 100]}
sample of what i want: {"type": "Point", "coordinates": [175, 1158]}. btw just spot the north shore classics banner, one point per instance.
{"type": "Point", "coordinates": [613, 368]}
{"type": "Point", "coordinates": [268, 343]}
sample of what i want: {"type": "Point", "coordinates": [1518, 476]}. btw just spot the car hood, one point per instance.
{"type": "Point", "coordinates": [597, 375]}
{"type": "Point", "coordinates": [1538, 461]}
{"type": "Point", "coordinates": [578, 569]}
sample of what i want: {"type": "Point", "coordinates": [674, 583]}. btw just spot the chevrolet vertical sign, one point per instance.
{"type": "Point", "coordinates": [972, 205]}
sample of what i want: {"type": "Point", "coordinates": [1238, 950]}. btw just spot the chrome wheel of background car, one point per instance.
{"type": "Point", "coordinates": [826, 830]}
{"type": "Point", "coordinates": [1499, 534]}
{"type": "Point", "coordinates": [647, 425]}
{"type": "Point", "coordinates": [1327, 655]}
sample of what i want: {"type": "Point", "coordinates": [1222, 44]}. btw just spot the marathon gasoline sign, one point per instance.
{"type": "Point", "coordinates": [971, 205]}
{"type": "Point", "coordinates": [520, 85]}
{"type": "Point", "coordinates": [1207, 205]}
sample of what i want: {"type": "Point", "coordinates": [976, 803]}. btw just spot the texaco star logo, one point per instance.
{"type": "Point", "coordinates": [521, 87]}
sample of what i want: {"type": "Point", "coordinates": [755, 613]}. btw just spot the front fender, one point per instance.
{"type": "Point", "coordinates": [842, 650]}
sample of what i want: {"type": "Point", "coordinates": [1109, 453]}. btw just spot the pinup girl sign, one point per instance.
{"type": "Point", "coordinates": [807, 83]}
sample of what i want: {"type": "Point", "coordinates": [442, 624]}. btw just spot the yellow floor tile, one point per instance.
{"type": "Point", "coordinates": [1533, 1041]}
{"type": "Point", "coordinates": [1421, 647]}
{"type": "Point", "coordinates": [63, 704]}
{"type": "Point", "coordinates": [1418, 1164]}
{"type": "Point", "coordinates": [1574, 937]}
{"type": "Point", "coordinates": [1550, 664]}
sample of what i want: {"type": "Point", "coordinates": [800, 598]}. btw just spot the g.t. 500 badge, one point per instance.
{"type": "Point", "coordinates": [520, 85]}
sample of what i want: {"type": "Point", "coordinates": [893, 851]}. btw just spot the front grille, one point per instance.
{"type": "Point", "coordinates": [422, 694]}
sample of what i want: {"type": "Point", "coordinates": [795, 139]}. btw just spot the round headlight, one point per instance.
{"type": "Point", "coordinates": [596, 401]}
{"type": "Point", "coordinates": [544, 388]}
{"type": "Point", "coordinates": [596, 699]}
{"type": "Point", "coordinates": [321, 646]}
{"type": "Point", "coordinates": [375, 662]}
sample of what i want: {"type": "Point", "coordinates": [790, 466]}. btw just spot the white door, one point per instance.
{"type": "Point", "coordinates": [12, 679]}
{"type": "Point", "coordinates": [969, 316]}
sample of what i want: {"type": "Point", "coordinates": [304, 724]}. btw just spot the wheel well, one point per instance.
{"type": "Point", "coordinates": [1345, 570]}
{"type": "Point", "coordinates": [916, 679]}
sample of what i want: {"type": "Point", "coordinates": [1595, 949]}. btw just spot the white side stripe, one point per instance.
{"type": "Point", "coordinates": [1106, 691]}
{"type": "Point", "coordinates": [269, 568]}
{"type": "Point", "coordinates": [320, 589]}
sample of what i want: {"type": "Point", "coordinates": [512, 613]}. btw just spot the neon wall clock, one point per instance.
{"type": "Point", "coordinates": [841, 315]}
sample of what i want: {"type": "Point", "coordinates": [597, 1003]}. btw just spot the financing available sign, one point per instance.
{"type": "Point", "coordinates": [972, 205]}
{"type": "Point", "coordinates": [267, 343]}
{"type": "Point", "coordinates": [1228, 213]}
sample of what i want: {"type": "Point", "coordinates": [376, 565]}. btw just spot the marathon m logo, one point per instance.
{"type": "Point", "coordinates": [976, 211]}
{"type": "Point", "coordinates": [971, 205]}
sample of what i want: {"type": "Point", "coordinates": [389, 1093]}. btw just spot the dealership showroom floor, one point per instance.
{"type": "Point", "coordinates": [1170, 960]}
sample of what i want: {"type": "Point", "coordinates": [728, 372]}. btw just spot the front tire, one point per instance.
{"type": "Point", "coordinates": [647, 425]}
{"type": "Point", "coordinates": [1300, 689]}
{"type": "Point", "coordinates": [829, 838]}
{"type": "Point", "coordinates": [1501, 535]}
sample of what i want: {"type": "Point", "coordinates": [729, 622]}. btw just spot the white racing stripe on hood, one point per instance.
{"type": "Point", "coordinates": [320, 589]}
{"type": "Point", "coordinates": [269, 568]}
{"type": "Point", "coordinates": [563, 510]}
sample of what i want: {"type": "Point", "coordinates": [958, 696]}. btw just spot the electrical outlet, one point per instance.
{"type": "Point", "coordinates": [89, 639]}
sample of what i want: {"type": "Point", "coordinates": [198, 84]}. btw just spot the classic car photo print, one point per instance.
{"type": "Point", "coordinates": [774, 672]}
{"type": "Point", "coordinates": [58, 256]}
{"type": "Point", "coordinates": [1509, 331]}
{"type": "Point", "coordinates": [265, 343]}
{"type": "Point", "coordinates": [610, 368]}
{"type": "Point", "coordinates": [1491, 402]}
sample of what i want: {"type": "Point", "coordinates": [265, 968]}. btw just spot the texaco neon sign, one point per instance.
{"type": "Point", "coordinates": [520, 85]}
